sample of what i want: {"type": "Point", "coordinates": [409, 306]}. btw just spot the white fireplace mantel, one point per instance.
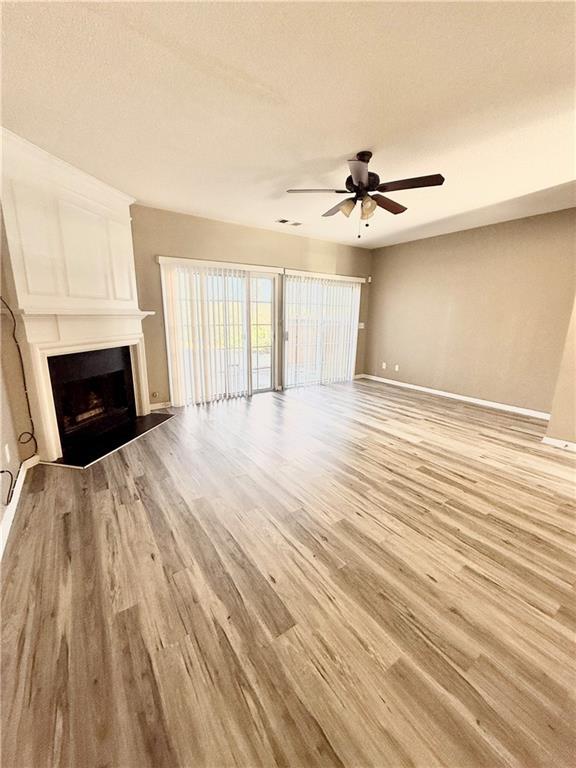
{"type": "Point", "coordinates": [72, 273]}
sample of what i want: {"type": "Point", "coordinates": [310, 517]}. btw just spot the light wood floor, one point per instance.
{"type": "Point", "coordinates": [354, 575]}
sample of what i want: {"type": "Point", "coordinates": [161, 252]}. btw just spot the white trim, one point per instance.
{"type": "Point", "coordinates": [10, 510]}
{"type": "Point", "coordinates": [464, 398]}
{"type": "Point", "coordinates": [324, 276]}
{"type": "Point", "coordinates": [20, 151]}
{"type": "Point", "coordinates": [557, 443]}
{"type": "Point", "coordinates": [217, 264]}
{"type": "Point", "coordinates": [157, 406]}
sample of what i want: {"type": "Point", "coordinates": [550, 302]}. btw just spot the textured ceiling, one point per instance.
{"type": "Point", "coordinates": [216, 108]}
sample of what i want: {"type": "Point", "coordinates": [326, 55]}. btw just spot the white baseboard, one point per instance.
{"type": "Point", "coordinates": [157, 406]}
{"type": "Point", "coordinates": [464, 398]}
{"type": "Point", "coordinates": [10, 511]}
{"type": "Point", "coordinates": [565, 444]}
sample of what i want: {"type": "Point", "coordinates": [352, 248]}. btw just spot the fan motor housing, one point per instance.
{"type": "Point", "coordinates": [373, 181]}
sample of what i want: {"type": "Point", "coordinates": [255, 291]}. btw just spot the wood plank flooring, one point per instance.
{"type": "Point", "coordinates": [355, 575]}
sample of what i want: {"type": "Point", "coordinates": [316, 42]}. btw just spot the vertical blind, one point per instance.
{"type": "Point", "coordinates": [206, 317]}
{"type": "Point", "coordinates": [321, 330]}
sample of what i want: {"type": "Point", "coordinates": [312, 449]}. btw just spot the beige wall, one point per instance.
{"type": "Point", "coordinates": [562, 424]}
{"type": "Point", "coordinates": [14, 419]}
{"type": "Point", "coordinates": [9, 438]}
{"type": "Point", "coordinates": [163, 233]}
{"type": "Point", "coordinates": [482, 312]}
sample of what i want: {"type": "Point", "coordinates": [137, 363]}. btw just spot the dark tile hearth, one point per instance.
{"type": "Point", "coordinates": [82, 454]}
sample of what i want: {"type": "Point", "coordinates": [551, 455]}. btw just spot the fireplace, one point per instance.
{"type": "Point", "coordinates": [95, 404]}
{"type": "Point", "coordinates": [93, 393]}
{"type": "Point", "coordinates": [70, 265]}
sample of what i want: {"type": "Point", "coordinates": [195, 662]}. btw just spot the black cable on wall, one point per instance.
{"type": "Point", "coordinates": [28, 436]}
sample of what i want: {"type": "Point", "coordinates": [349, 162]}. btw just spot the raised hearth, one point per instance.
{"type": "Point", "coordinates": [81, 455]}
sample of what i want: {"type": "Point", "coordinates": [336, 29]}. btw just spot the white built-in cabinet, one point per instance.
{"type": "Point", "coordinates": [69, 234]}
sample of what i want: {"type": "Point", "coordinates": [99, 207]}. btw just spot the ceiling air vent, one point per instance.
{"type": "Point", "coordinates": [287, 221]}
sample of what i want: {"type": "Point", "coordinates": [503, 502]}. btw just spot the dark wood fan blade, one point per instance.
{"type": "Point", "coordinates": [389, 205]}
{"type": "Point", "coordinates": [419, 181]}
{"type": "Point", "coordinates": [336, 208]}
{"type": "Point", "coordinates": [338, 191]}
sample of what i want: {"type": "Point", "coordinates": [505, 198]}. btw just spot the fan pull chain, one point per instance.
{"type": "Point", "coordinates": [360, 227]}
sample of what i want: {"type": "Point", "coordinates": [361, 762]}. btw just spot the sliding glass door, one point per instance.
{"type": "Point", "coordinates": [320, 329]}
{"type": "Point", "coordinates": [221, 324]}
{"type": "Point", "coordinates": [220, 331]}
{"type": "Point", "coordinates": [262, 327]}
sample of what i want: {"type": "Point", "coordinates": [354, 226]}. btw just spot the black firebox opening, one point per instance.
{"type": "Point", "coordinates": [93, 394]}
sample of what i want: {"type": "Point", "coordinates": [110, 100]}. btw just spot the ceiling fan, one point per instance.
{"type": "Point", "coordinates": [361, 182]}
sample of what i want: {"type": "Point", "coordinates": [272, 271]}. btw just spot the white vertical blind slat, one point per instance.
{"type": "Point", "coordinates": [205, 313]}
{"type": "Point", "coordinates": [321, 319]}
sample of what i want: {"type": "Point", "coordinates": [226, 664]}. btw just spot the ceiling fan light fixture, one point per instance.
{"type": "Point", "coordinates": [368, 207]}
{"type": "Point", "coordinates": [347, 207]}
{"type": "Point", "coordinates": [362, 181]}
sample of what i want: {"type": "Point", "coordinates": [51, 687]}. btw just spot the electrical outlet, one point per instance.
{"type": "Point", "coordinates": [383, 366]}
{"type": "Point", "coordinates": [7, 453]}
{"type": "Point", "coordinates": [396, 367]}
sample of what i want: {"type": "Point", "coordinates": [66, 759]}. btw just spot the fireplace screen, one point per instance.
{"type": "Point", "coordinates": [93, 393]}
